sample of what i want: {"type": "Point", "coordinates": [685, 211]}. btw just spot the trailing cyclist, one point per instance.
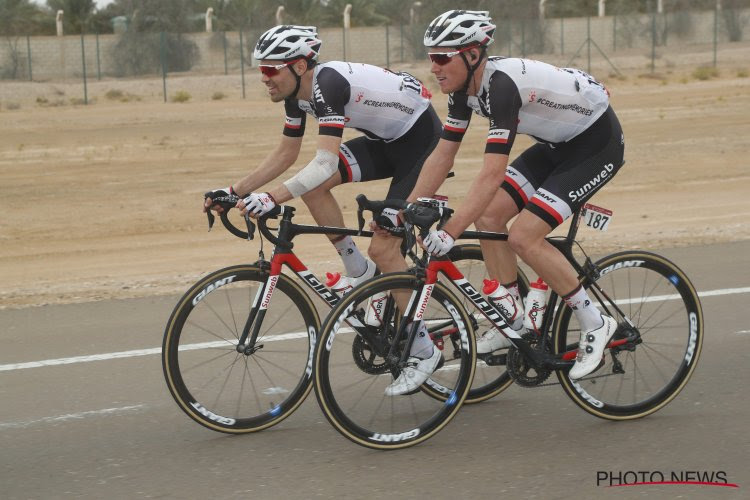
{"type": "Point", "coordinates": [580, 147]}
{"type": "Point", "coordinates": [392, 110]}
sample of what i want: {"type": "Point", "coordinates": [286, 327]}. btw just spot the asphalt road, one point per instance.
{"type": "Point", "coordinates": [107, 427]}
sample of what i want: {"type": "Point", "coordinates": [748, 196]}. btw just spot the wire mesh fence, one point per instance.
{"type": "Point", "coordinates": [639, 43]}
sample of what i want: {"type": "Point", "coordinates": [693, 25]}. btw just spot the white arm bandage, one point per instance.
{"type": "Point", "coordinates": [315, 173]}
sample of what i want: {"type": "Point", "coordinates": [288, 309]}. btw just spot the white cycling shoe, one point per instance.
{"type": "Point", "coordinates": [492, 340]}
{"type": "Point", "coordinates": [415, 374]}
{"type": "Point", "coordinates": [591, 348]}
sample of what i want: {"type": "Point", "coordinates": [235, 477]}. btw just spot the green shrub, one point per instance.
{"type": "Point", "coordinates": [181, 96]}
{"type": "Point", "coordinates": [705, 73]}
{"type": "Point", "coordinates": [742, 73]}
{"type": "Point", "coordinates": [114, 94]}
{"type": "Point", "coordinates": [218, 96]}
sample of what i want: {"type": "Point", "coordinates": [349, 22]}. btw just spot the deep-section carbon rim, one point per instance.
{"type": "Point", "coordinates": [665, 310]}
{"type": "Point", "coordinates": [353, 399]}
{"type": "Point", "coordinates": [226, 390]}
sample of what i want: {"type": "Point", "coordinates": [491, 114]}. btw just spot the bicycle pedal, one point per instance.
{"type": "Point", "coordinates": [494, 359]}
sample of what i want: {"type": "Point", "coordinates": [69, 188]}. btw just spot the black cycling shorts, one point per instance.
{"type": "Point", "coordinates": [364, 159]}
{"type": "Point", "coordinates": [553, 181]}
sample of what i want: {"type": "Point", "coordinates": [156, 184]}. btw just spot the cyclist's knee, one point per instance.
{"type": "Point", "coordinates": [491, 222]}
{"type": "Point", "coordinates": [381, 246]}
{"type": "Point", "coordinates": [495, 217]}
{"type": "Point", "coordinates": [521, 240]}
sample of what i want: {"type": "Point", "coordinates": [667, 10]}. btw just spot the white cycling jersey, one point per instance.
{"type": "Point", "coordinates": [380, 103]}
{"type": "Point", "coordinates": [551, 104]}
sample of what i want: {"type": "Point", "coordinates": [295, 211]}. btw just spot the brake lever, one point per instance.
{"type": "Point", "coordinates": [211, 219]}
{"type": "Point", "coordinates": [250, 227]}
{"type": "Point", "coordinates": [360, 221]}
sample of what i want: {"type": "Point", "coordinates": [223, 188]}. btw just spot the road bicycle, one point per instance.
{"type": "Point", "coordinates": [238, 346]}
{"type": "Point", "coordinates": [648, 361]}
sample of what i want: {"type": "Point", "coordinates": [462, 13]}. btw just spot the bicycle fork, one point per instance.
{"type": "Point", "coordinates": [256, 315]}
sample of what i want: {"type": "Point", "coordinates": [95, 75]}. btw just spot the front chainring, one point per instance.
{"type": "Point", "coordinates": [520, 370]}
{"type": "Point", "coordinates": [366, 359]}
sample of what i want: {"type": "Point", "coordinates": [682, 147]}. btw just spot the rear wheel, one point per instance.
{"type": "Point", "coordinates": [660, 335]}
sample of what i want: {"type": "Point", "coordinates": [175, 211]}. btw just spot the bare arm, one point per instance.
{"type": "Point", "coordinates": [480, 193]}
{"type": "Point", "coordinates": [435, 169]}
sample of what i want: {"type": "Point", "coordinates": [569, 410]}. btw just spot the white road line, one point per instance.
{"type": "Point", "coordinates": [274, 338]}
{"type": "Point", "coordinates": [69, 416]}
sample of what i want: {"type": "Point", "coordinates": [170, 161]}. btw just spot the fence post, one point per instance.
{"type": "Point", "coordinates": [242, 63]}
{"type": "Point", "coordinates": [653, 38]}
{"type": "Point", "coordinates": [28, 52]}
{"type": "Point", "coordinates": [402, 41]}
{"type": "Point", "coordinates": [98, 60]}
{"type": "Point", "coordinates": [614, 33]}
{"type": "Point", "coordinates": [510, 39]}
{"type": "Point", "coordinates": [224, 40]}
{"type": "Point", "coordinates": [163, 57]}
{"type": "Point", "coordinates": [716, 29]}
{"type": "Point", "coordinates": [588, 42]}
{"type": "Point", "coordinates": [83, 64]}
{"type": "Point", "coordinates": [387, 47]}
{"type": "Point", "coordinates": [562, 36]}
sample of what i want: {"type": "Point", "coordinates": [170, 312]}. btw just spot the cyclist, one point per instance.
{"type": "Point", "coordinates": [580, 147]}
{"type": "Point", "coordinates": [392, 110]}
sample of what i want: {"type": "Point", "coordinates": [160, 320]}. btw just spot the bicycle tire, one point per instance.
{"type": "Point", "coordinates": [226, 390]}
{"type": "Point", "coordinates": [489, 381]}
{"type": "Point", "coordinates": [665, 310]}
{"type": "Point", "coordinates": [352, 397]}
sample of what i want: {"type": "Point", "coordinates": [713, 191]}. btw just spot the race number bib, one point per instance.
{"type": "Point", "coordinates": [596, 217]}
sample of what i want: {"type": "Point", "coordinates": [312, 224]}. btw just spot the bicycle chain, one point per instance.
{"type": "Point", "coordinates": [518, 368]}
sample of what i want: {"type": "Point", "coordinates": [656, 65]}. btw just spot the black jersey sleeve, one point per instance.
{"type": "Point", "coordinates": [295, 119]}
{"type": "Point", "coordinates": [331, 93]}
{"type": "Point", "coordinates": [505, 102]}
{"type": "Point", "coordinates": [459, 116]}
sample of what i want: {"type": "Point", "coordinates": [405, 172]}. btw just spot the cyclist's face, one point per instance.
{"type": "Point", "coordinates": [278, 79]}
{"type": "Point", "coordinates": [448, 67]}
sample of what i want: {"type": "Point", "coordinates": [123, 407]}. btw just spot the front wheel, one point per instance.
{"type": "Point", "coordinates": [247, 389]}
{"type": "Point", "coordinates": [356, 362]}
{"type": "Point", "coordinates": [657, 343]}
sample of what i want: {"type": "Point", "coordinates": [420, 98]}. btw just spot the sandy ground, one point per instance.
{"type": "Point", "coordinates": [103, 201]}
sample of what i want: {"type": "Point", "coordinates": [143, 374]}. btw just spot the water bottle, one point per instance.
{"type": "Point", "coordinates": [506, 302]}
{"type": "Point", "coordinates": [338, 283]}
{"type": "Point", "coordinates": [536, 304]}
{"type": "Point", "coordinates": [341, 285]}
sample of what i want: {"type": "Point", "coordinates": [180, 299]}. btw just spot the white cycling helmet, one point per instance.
{"type": "Point", "coordinates": [285, 43]}
{"type": "Point", "coordinates": [459, 29]}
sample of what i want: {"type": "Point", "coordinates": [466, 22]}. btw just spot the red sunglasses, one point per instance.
{"type": "Point", "coordinates": [443, 58]}
{"type": "Point", "coordinates": [270, 70]}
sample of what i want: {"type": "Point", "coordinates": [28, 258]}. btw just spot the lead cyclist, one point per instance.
{"type": "Point", "coordinates": [400, 128]}
{"type": "Point", "coordinates": [580, 147]}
